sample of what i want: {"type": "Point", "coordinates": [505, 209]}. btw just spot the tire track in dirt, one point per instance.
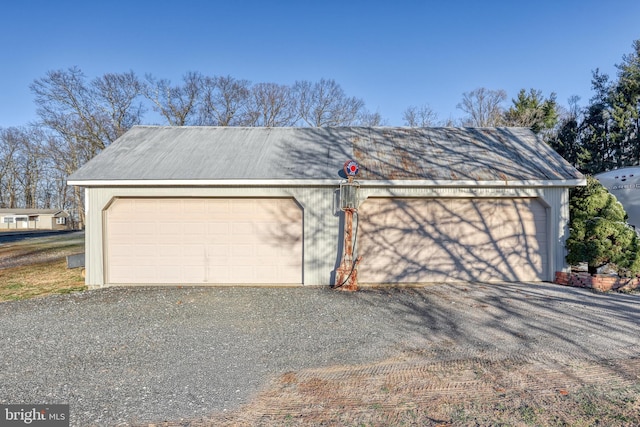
{"type": "Point", "coordinates": [409, 382]}
{"type": "Point", "coordinates": [460, 379]}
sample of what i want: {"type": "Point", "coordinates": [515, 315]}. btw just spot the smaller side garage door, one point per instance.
{"type": "Point", "coordinates": [194, 241]}
{"type": "Point", "coordinates": [435, 240]}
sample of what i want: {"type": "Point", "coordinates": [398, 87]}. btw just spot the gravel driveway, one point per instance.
{"type": "Point", "coordinates": [123, 356]}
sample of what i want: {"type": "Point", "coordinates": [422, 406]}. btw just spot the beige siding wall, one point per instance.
{"type": "Point", "coordinates": [320, 223]}
{"type": "Point", "coordinates": [321, 218]}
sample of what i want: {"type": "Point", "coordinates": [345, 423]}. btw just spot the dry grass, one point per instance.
{"type": "Point", "coordinates": [418, 391]}
{"type": "Point", "coordinates": [40, 279]}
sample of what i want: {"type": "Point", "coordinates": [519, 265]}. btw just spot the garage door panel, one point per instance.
{"type": "Point", "coordinates": [427, 240]}
{"type": "Point", "coordinates": [145, 228]}
{"type": "Point", "coordinates": [263, 250]}
{"type": "Point", "coordinates": [191, 239]}
{"type": "Point", "coordinates": [119, 211]}
{"type": "Point", "coordinates": [213, 228]}
{"type": "Point", "coordinates": [170, 251]}
{"type": "Point", "coordinates": [243, 207]}
{"type": "Point", "coordinates": [199, 260]}
{"type": "Point", "coordinates": [121, 228]}
{"type": "Point", "coordinates": [149, 259]}
{"type": "Point", "coordinates": [124, 261]}
{"type": "Point", "coordinates": [171, 209]}
{"type": "Point", "coordinates": [196, 208]}
{"type": "Point", "coordinates": [146, 272]}
{"type": "Point", "coordinates": [196, 274]}
{"type": "Point", "coordinates": [170, 227]}
{"type": "Point", "coordinates": [243, 233]}
{"type": "Point", "coordinates": [241, 257]}
{"type": "Point", "coordinates": [267, 270]}
{"type": "Point", "coordinates": [220, 272]}
{"type": "Point", "coordinates": [171, 275]}
{"type": "Point", "coordinates": [204, 241]}
{"type": "Point", "coordinates": [217, 251]}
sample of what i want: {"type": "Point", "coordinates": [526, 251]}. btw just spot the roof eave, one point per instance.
{"type": "Point", "coordinates": [323, 183]}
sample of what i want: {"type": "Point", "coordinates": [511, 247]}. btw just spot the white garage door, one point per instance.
{"type": "Point", "coordinates": [434, 240]}
{"type": "Point", "coordinates": [194, 241]}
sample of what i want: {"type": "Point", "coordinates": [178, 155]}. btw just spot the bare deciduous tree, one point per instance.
{"type": "Point", "coordinates": [224, 102]}
{"type": "Point", "coordinates": [31, 166]}
{"type": "Point", "coordinates": [9, 149]}
{"type": "Point", "coordinates": [118, 98]}
{"type": "Point", "coordinates": [271, 105]}
{"type": "Point", "coordinates": [85, 117]}
{"type": "Point", "coordinates": [178, 105]}
{"type": "Point", "coordinates": [367, 118]}
{"type": "Point", "coordinates": [324, 103]}
{"type": "Point", "coordinates": [94, 113]}
{"type": "Point", "coordinates": [422, 116]}
{"type": "Point", "coordinates": [483, 107]}
{"type": "Point", "coordinates": [24, 167]}
{"type": "Point", "coordinates": [67, 156]}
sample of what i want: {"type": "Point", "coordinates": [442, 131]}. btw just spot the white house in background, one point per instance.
{"type": "Point", "coordinates": [624, 183]}
{"type": "Point", "coordinates": [231, 205]}
{"type": "Point", "coordinates": [34, 219]}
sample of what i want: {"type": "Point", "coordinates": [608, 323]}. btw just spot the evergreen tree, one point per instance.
{"type": "Point", "coordinates": [610, 132]}
{"type": "Point", "coordinates": [626, 106]}
{"type": "Point", "coordinates": [599, 234]}
{"type": "Point", "coordinates": [532, 110]}
{"type": "Point", "coordinates": [595, 132]}
{"type": "Point", "coordinates": [566, 139]}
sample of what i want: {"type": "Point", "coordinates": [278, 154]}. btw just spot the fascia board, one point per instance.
{"type": "Point", "coordinates": [324, 183]}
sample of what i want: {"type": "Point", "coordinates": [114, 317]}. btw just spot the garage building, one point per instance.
{"type": "Point", "coordinates": [231, 206]}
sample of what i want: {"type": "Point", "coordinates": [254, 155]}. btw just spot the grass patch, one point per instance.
{"type": "Point", "coordinates": [35, 280]}
{"type": "Point", "coordinates": [40, 249]}
{"type": "Point", "coordinates": [586, 406]}
{"type": "Point", "coordinates": [37, 266]}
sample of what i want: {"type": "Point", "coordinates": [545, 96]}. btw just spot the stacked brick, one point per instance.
{"type": "Point", "coordinates": [603, 283]}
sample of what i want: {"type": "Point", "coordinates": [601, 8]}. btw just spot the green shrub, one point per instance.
{"type": "Point", "coordinates": [599, 233]}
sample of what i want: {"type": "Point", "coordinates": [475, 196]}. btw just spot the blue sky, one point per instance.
{"type": "Point", "coordinates": [392, 54]}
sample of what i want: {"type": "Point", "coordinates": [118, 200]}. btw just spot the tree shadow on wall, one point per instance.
{"type": "Point", "coordinates": [413, 240]}
{"type": "Point", "coordinates": [405, 240]}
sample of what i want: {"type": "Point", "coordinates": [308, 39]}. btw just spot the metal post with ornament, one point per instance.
{"type": "Point", "coordinates": [347, 272]}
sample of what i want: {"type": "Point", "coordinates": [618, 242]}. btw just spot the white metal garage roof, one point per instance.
{"type": "Point", "coordinates": [153, 155]}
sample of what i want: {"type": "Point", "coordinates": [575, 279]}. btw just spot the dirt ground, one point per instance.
{"type": "Point", "coordinates": [413, 390]}
{"type": "Point", "coordinates": [546, 380]}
